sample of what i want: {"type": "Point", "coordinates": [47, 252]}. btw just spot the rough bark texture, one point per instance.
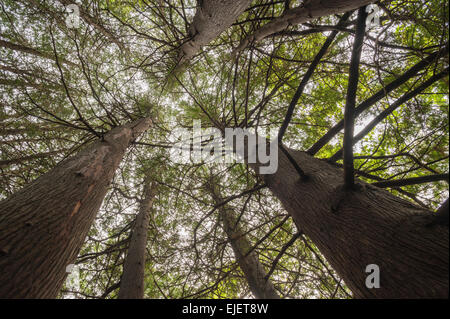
{"type": "Point", "coordinates": [311, 9]}
{"type": "Point", "coordinates": [211, 19]}
{"type": "Point", "coordinates": [253, 270]}
{"type": "Point", "coordinates": [366, 226]}
{"type": "Point", "coordinates": [132, 282]}
{"type": "Point", "coordinates": [43, 226]}
{"type": "Point", "coordinates": [442, 215]}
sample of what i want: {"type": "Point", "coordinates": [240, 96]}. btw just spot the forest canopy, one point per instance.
{"type": "Point", "coordinates": [353, 95]}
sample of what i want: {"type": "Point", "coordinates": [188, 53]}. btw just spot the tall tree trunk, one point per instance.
{"type": "Point", "coordinates": [44, 225]}
{"type": "Point", "coordinates": [132, 282]}
{"type": "Point", "coordinates": [253, 270]}
{"type": "Point", "coordinates": [354, 229]}
{"type": "Point", "coordinates": [211, 19]}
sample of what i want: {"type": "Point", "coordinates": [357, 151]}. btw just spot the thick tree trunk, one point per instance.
{"type": "Point", "coordinates": [250, 265]}
{"type": "Point", "coordinates": [44, 225]}
{"type": "Point", "coordinates": [132, 282]}
{"type": "Point", "coordinates": [354, 229]}
{"type": "Point", "coordinates": [211, 19]}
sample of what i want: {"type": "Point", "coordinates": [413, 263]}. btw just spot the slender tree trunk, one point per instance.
{"type": "Point", "coordinates": [250, 265]}
{"type": "Point", "coordinates": [354, 229]}
{"type": "Point", "coordinates": [44, 225]}
{"type": "Point", "coordinates": [211, 19]}
{"type": "Point", "coordinates": [132, 282]}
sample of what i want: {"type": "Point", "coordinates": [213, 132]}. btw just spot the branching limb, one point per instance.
{"type": "Point", "coordinates": [383, 92]}
{"type": "Point", "coordinates": [391, 109]}
{"type": "Point", "coordinates": [412, 181]}
{"type": "Point", "coordinates": [349, 176]}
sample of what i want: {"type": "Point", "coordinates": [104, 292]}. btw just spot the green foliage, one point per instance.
{"type": "Point", "coordinates": [96, 85]}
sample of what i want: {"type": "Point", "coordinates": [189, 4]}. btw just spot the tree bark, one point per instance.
{"type": "Point", "coordinates": [211, 19]}
{"type": "Point", "coordinates": [356, 228]}
{"type": "Point", "coordinates": [132, 282]}
{"type": "Point", "coordinates": [44, 225]}
{"type": "Point", "coordinates": [253, 270]}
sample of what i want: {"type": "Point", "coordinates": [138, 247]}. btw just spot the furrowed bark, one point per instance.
{"type": "Point", "coordinates": [253, 270]}
{"type": "Point", "coordinates": [354, 229]}
{"type": "Point", "coordinates": [309, 10]}
{"type": "Point", "coordinates": [211, 19]}
{"type": "Point", "coordinates": [44, 225]}
{"type": "Point", "coordinates": [442, 215]}
{"type": "Point", "coordinates": [132, 282]}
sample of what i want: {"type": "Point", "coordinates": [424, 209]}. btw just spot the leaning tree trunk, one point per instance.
{"type": "Point", "coordinates": [354, 229]}
{"type": "Point", "coordinates": [211, 19]}
{"type": "Point", "coordinates": [44, 225]}
{"type": "Point", "coordinates": [254, 272]}
{"type": "Point", "coordinates": [132, 282]}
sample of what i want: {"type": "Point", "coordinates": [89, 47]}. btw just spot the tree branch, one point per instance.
{"type": "Point", "coordinates": [306, 78]}
{"type": "Point", "coordinates": [349, 118]}
{"type": "Point", "coordinates": [309, 10]}
{"type": "Point", "coordinates": [378, 96]}
{"type": "Point", "coordinates": [413, 181]}
{"type": "Point", "coordinates": [391, 109]}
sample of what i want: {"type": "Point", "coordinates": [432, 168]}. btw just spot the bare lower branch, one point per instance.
{"type": "Point", "coordinates": [349, 118]}
{"type": "Point", "coordinates": [412, 181]}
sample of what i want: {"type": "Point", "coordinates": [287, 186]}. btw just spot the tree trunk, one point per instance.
{"type": "Point", "coordinates": [132, 282]}
{"type": "Point", "coordinates": [250, 265]}
{"type": "Point", "coordinates": [211, 19]}
{"type": "Point", "coordinates": [44, 225]}
{"type": "Point", "coordinates": [354, 229]}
